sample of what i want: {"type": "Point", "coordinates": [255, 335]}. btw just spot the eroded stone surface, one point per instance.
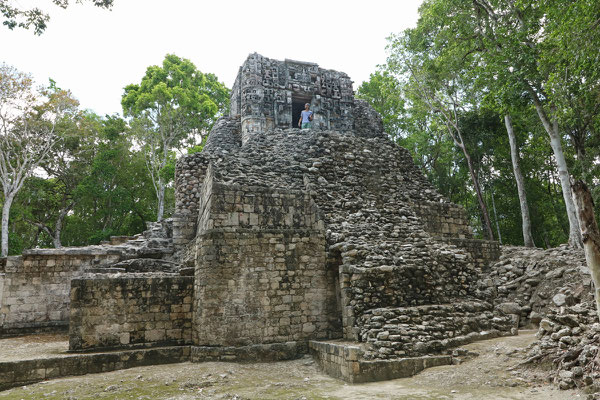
{"type": "Point", "coordinates": [270, 94]}
{"type": "Point", "coordinates": [550, 289]}
{"type": "Point", "coordinates": [35, 288]}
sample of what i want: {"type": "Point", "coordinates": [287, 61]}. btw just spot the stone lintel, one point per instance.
{"type": "Point", "coordinates": [290, 61]}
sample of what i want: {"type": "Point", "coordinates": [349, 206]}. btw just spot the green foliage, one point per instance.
{"type": "Point", "coordinates": [105, 183]}
{"type": "Point", "coordinates": [95, 181]}
{"type": "Point", "coordinates": [15, 16]}
{"type": "Point", "coordinates": [381, 91]}
{"type": "Point", "coordinates": [195, 149]}
{"type": "Point", "coordinates": [173, 108]}
{"type": "Point", "coordinates": [472, 62]}
{"type": "Point", "coordinates": [116, 196]}
{"type": "Point", "coordinates": [177, 99]}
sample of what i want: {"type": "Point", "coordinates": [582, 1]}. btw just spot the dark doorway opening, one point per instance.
{"type": "Point", "coordinates": [298, 102]}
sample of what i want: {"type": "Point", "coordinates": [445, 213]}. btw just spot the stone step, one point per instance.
{"type": "Point", "coordinates": [342, 360]}
{"type": "Point", "coordinates": [120, 239]}
{"type": "Point", "coordinates": [23, 372]}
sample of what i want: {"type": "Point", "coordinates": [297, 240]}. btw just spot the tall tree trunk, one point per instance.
{"type": "Point", "coordinates": [161, 200]}
{"type": "Point", "coordinates": [514, 155]}
{"type": "Point", "coordinates": [59, 224]}
{"type": "Point", "coordinates": [563, 171]}
{"type": "Point", "coordinates": [58, 230]}
{"type": "Point", "coordinates": [8, 199]}
{"type": "Point", "coordinates": [552, 192]}
{"type": "Point", "coordinates": [451, 121]}
{"type": "Point", "coordinates": [36, 238]}
{"type": "Point", "coordinates": [482, 206]}
{"type": "Point", "coordinates": [590, 234]}
{"type": "Point", "coordinates": [496, 216]}
{"type": "Point", "coordinates": [546, 241]}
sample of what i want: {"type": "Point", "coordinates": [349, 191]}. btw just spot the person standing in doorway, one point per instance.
{"type": "Point", "coordinates": [306, 117]}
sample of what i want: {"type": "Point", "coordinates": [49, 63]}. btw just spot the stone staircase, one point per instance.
{"type": "Point", "coordinates": [149, 251]}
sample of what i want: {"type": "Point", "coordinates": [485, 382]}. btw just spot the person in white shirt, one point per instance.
{"type": "Point", "coordinates": [306, 117]}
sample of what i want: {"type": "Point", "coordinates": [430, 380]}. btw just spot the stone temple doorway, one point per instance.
{"type": "Point", "coordinates": [298, 102]}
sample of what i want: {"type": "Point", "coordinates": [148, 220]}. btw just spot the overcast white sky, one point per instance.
{"type": "Point", "coordinates": [95, 53]}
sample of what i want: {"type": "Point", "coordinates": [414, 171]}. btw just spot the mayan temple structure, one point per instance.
{"type": "Point", "coordinates": [298, 236]}
{"type": "Point", "coordinates": [284, 242]}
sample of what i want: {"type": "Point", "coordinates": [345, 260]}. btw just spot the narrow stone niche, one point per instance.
{"type": "Point", "coordinates": [334, 261]}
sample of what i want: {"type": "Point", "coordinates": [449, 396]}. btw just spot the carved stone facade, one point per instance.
{"type": "Point", "coordinates": [270, 94]}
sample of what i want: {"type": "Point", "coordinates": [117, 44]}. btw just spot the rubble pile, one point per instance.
{"type": "Point", "coordinates": [531, 281]}
{"type": "Point", "coordinates": [552, 290]}
{"type": "Point", "coordinates": [569, 338]}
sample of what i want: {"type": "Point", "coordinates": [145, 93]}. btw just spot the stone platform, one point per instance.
{"type": "Point", "coordinates": [30, 359]}
{"type": "Point", "coordinates": [343, 360]}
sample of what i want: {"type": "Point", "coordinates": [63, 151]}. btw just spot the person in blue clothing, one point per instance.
{"type": "Point", "coordinates": [306, 117]}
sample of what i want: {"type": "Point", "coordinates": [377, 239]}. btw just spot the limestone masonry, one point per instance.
{"type": "Point", "coordinates": [284, 241]}
{"type": "Point", "coordinates": [270, 94]}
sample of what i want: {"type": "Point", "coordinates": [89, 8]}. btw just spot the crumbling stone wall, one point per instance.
{"type": "Point", "coordinates": [435, 281]}
{"type": "Point", "coordinates": [427, 329]}
{"type": "Point", "coordinates": [130, 310]}
{"type": "Point", "coordinates": [367, 121]}
{"type": "Point", "coordinates": [37, 284]}
{"type": "Point", "coordinates": [366, 188]}
{"type": "Point", "coordinates": [533, 281]}
{"type": "Point", "coordinates": [189, 178]}
{"type": "Point", "coordinates": [482, 252]}
{"type": "Point", "coordinates": [448, 223]}
{"type": "Point", "coordinates": [445, 220]}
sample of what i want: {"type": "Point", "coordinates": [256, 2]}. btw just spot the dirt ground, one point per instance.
{"type": "Point", "coordinates": [484, 374]}
{"type": "Point", "coordinates": [33, 347]}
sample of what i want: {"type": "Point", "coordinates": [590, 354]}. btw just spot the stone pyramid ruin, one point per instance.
{"type": "Point", "coordinates": [284, 242]}
{"type": "Point", "coordinates": [300, 236]}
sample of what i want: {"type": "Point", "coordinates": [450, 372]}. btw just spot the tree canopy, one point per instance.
{"type": "Point", "coordinates": [470, 66]}
{"type": "Point", "coordinates": [16, 16]}
{"type": "Point", "coordinates": [174, 106]}
{"type": "Point", "coordinates": [98, 176]}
